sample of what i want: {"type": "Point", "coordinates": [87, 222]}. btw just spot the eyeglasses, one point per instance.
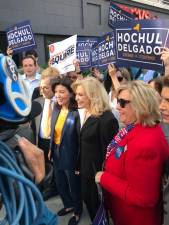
{"type": "Point", "coordinates": [122, 102]}
{"type": "Point", "coordinates": [120, 79]}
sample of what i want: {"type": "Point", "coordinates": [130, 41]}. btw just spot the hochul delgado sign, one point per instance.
{"type": "Point", "coordinates": [139, 43]}
{"type": "Point", "coordinates": [20, 37]}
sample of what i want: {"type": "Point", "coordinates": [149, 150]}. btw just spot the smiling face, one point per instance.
{"type": "Point", "coordinates": [81, 98]}
{"type": "Point", "coordinates": [62, 95]}
{"type": "Point", "coordinates": [164, 105]}
{"type": "Point", "coordinates": [29, 67]}
{"type": "Point", "coordinates": [126, 112]}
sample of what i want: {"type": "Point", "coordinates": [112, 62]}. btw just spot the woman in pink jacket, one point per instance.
{"type": "Point", "coordinates": [135, 159]}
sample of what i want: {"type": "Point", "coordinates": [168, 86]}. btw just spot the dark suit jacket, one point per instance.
{"type": "Point", "coordinates": [67, 151]}
{"type": "Point", "coordinates": [36, 93]}
{"type": "Point", "coordinates": [36, 122]}
{"type": "Point", "coordinates": [94, 137]}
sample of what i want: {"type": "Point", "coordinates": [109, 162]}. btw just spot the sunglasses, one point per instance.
{"type": "Point", "coordinates": [122, 102]}
{"type": "Point", "coordinates": [119, 79]}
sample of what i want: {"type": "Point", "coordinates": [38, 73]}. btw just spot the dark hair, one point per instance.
{"type": "Point", "coordinates": [66, 82]}
{"type": "Point", "coordinates": [31, 52]}
{"type": "Point", "coordinates": [29, 57]}
{"type": "Point", "coordinates": [157, 84]}
{"type": "Point", "coordinates": [108, 82]}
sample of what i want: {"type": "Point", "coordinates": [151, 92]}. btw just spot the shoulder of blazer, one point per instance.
{"type": "Point", "coordinates": [75, 113]}
{"type": "Point", "coordinates": [107, 115]}
{"type": "Point", "coordinates": [41, 100]}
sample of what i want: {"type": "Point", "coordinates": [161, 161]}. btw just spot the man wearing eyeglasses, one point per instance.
{"type": "Point", "coordinates": [41, 124]}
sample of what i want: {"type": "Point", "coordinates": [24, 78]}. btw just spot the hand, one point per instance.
{"type": "Point", "coordinates": [112, 70]}
{"type": "Point", "coordinates": [34, 158]}
{"type": "Point", "coordinates": [165, 56]}
{"type": "Point", "coordinates": [98, 176]}
{"type": "Point", "coordinates": [9, 51]}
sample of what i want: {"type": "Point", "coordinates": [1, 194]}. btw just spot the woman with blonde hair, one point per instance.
{"type": "Point", "coordinates": [97, 126]}
{"type": "Point", "coordinates": [135, 159]}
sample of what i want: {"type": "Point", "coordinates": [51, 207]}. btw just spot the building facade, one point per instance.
{"type": "Point", "coordinates": [54, 20]}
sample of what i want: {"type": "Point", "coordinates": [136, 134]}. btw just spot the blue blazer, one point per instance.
{"type": "Point", "coordinates": [67, 152]}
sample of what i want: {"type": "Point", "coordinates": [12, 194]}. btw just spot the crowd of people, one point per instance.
{"type": "Point", "coordinates": [112, 131]}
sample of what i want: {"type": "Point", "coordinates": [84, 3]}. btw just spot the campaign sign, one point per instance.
{"type": "Point", "coordinates": [20, 37]}
{"type": "Point", "coordinates": [106, 50]}
{"type": "Point", "coordinates": [95, 56]}
{"type": "Point", "coordinates": [63, 53]}
{"type": "Point", "coordinates": [83, 48]}
{"type": "Point", "coordinates": [139, 43]}
{"type": "Point", "coordinates": [118, 14]}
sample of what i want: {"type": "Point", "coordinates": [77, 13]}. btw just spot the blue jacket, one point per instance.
{"type": "Point", "coordinates": [67, 151]}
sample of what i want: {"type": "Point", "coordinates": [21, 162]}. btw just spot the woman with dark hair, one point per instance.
{"type": "Point", "coordinates": [64, 149]}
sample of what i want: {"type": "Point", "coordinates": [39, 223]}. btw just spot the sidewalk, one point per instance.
{"type": "Point", "coordinates": [55, 205]}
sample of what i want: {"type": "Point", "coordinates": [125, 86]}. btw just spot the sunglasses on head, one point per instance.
{"type": "Point", "coordinates": [122, 102]}
{"type": "Point", "coordinates": [119, 79]}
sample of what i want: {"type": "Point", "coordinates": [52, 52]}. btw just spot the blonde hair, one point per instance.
{"type": "Point", "coordinates": [143, 101]}
{"type": "Point", "coordinates": [50, 72]}
{"type": "Point", "coordinates": [96, 94]}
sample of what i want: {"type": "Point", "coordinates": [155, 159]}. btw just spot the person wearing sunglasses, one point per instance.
{"type": "Point", "coordinates": [135, 159]}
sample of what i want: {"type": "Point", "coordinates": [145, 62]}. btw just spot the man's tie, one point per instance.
{"type": "Point", "coordinates": [47, 120]}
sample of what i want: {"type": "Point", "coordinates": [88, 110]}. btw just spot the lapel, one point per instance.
{"type": "Point", "coordinates": [78, 126]}
{"type": "Point", "coordinates": [55, 114]}
{"type": "Point", "coordinates": [39, 118]}
{"type": "Point", "coordinates": [89, 123]}
{"type": "Point", "coordinates": [68, 118]}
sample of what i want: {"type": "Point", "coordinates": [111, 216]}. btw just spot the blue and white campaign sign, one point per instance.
{"type": "Point", "coordinates": [95, 56]}
{"type": "Point", "coordinates": [139, 43]}
{"type": "Point", "coordinates": [83, 51]}
{"type": "Point", "coordinates": [118, 14]}
{"type": "Point", "coordinates": [63, 53]}
{"type": "Point", "coordinates": [104, 52]}
{"type": "Point", "coordinates": [20, 37]}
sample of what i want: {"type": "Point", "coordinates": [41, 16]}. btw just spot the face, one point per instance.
{"type": "Point", "coordinates": [72, 75]}
{"type": "Point", "coordinates": [62, 95]}
{"type": "Point", "coordinates": [164, 105]}
{"type": "Point", "coordinates": [126, 112]}
{"type": "Point", "coordinates": [45, 88]}
{"type": "Point", "coordinates": [81, 98]}
{"type": "Point", "coordinates": [29, 67]}
{"type": "Point", "coordinates": [120, 78]}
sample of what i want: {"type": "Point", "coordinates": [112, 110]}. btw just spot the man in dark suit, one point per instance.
{"type": "Point", "coordinates": [41, 133]}
{"type": "Point", "coordinates": [46, 100]}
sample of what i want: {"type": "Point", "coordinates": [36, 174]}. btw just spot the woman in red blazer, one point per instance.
{"type": "Point", "coordinates": [135, 159]}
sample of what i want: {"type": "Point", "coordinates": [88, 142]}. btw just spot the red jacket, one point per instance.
{"type": "Point", "coordinates": [133, 182]}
